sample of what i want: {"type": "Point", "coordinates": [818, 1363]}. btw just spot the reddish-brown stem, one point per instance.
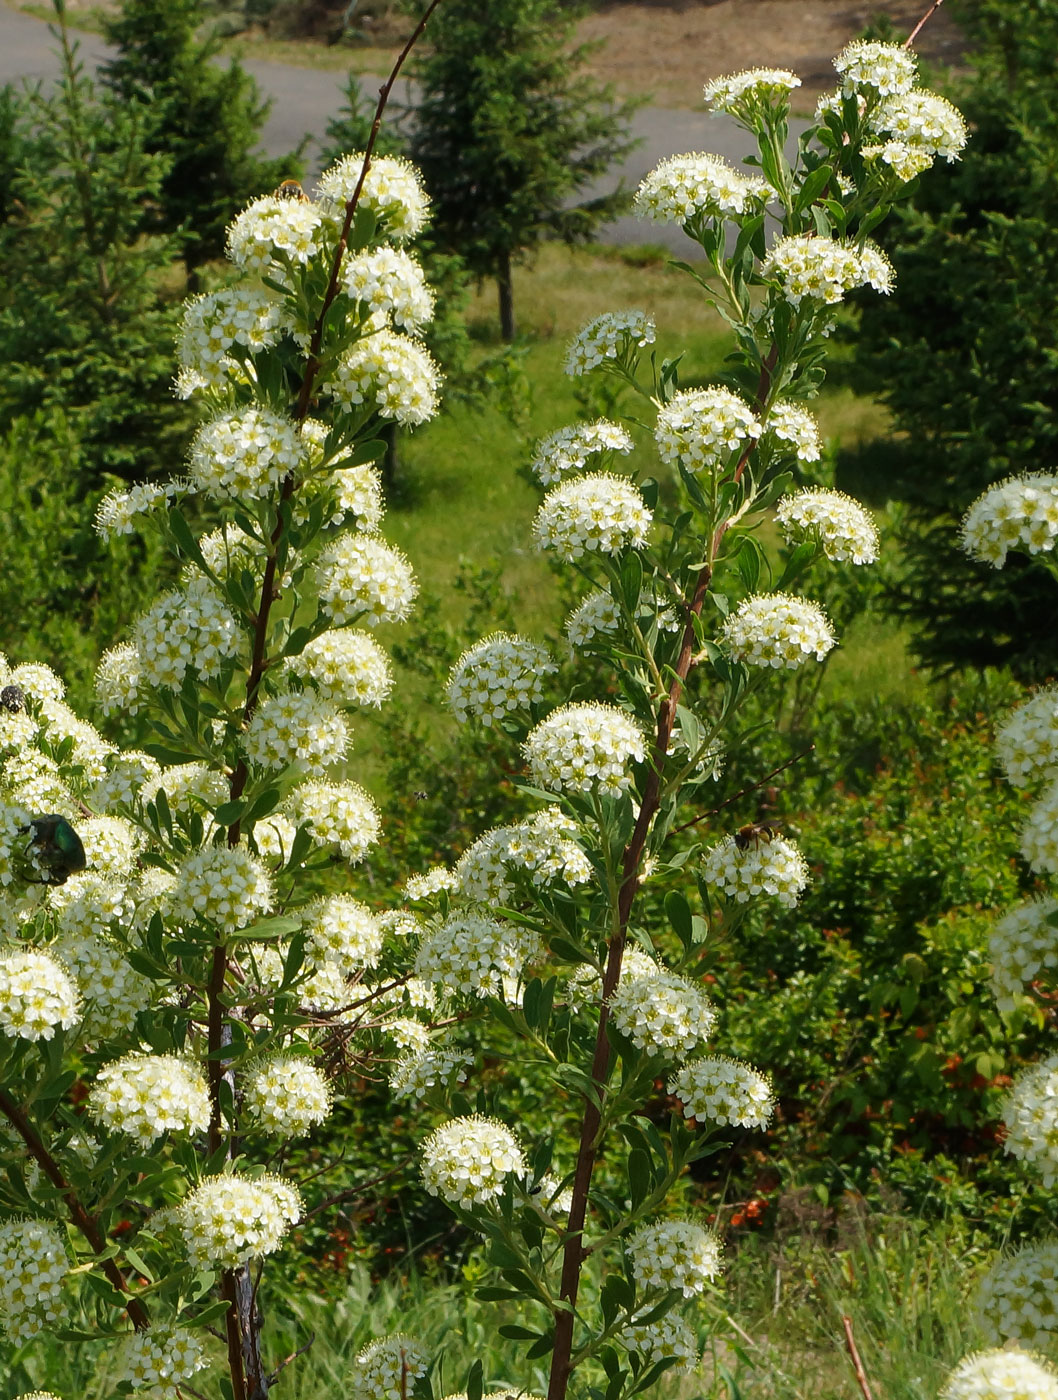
{"type": "Point", "coordinates": [249, 1378]}
{"type": "Point", "coordinates": [854, 1355]}
{"type": "Point", "coordinates": [574, 1253]}
{"type": "Point", "coordinates": [84, 1222]}
{"type": "Point", "coordinates": [922, 23]}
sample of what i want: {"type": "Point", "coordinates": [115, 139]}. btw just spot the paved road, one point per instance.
{"type": "Point", "coordinates": [303, 99]}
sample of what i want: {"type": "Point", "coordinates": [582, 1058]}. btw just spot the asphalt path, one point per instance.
{"type": "Point", "coordinates": [303, 99]}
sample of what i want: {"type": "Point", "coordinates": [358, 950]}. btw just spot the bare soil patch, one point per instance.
{"type": "Point", "coordinates": [669, 48]}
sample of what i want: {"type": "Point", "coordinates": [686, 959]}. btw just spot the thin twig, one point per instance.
{"type": "Point", "coordinates": [850, 1340]}
{"type": "Point", "coordinates": [273, 1376]}
{"type": "Point", "coordinates": [745, 791]}
{"type": "Point", "coordinates": [919, 26]}
{"type": "Point", "coordinates": [358, 1189]}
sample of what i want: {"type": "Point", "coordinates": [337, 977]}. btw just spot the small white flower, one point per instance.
{"type": "Point", "coordinates": [662, 1013]}
{"type": "Point", "coordinates": [790, 423]}
{"type": "Point", "coordinates": [615, 335]}
{"type": "Point", "coordinates": [741, 93]}
{"type": "Point", "coordinates": [391, 281]}
{"type": "Point", "coordinates": [924, 121]}
{"type": "Point", "coordinates": [392, 373]}
{"type": "Point", "coordinates": [387, 1369]}
{"type": "Point", "coordinates": [147, 1096]}
{"type": "Point", "coordinates": [824, 269]}
{"type": "Point", "coordinates": [296, 727]}
{"type": "Point", "coordinates": [724, 1091]}
{"type": "Point", "coordinates": [885, 69]}
{"type": "Point", "coordinates": [598, 614]}
{"type": "Point", "coordinates": [1027, 740]}
{"type": "Point", "coordinates": [224, 885]}
{"type": "Point", "coordinates": [703, 427]}
{"type": "Point", "coordinates": [160, 1357]}
{"type": "Point", "coordinates": [499, 676]}
{"type": "Point", "coordinates": [1020, 513]}
{"type": "Point", "coordinates": [438, 1064]}
{"type": "Point", "coordinates": [341, 929]}
{"type": "Point", "coordinates": [186, 628]}
{"type": "Point", "coordinates": [777, 630]}
{"type": "Point", "coordinates": [392, 190]}
{"type": "Point", "coordinates": [845, 530]}
{"type": "Point", "coordinates": [684, 188]}
{"type": "Point", "coordinates": [771, 866]}
{"type": "Point", "coordinates": [287, 1096]}
{"type": "Point", "coordinates": [33, 1264]}
{"type": "Point", "coordinates": [467, 1160]}
{"type": "Point", "coordinates": [272, 229]}
{"type": "Point", "coordinates": [1001, 1375]}
{"type": "Point", "coordinates": [564, 452]}
{"type": "Point", "coordinates": [1017, 1299]}
{"type": "Point", "coordinates": [1039, 835]}
{"type": "Point", "coordinates": [579, 748]}
{"type": "Point", "coordinates": [1023, 948]}
{"type": "Point", "coordinates": [1030, 1114]}
{"type": "Point", "coordinates": [37, 995]}
{"type": "Point", "coordinates": [245, 454]}
{"type": "Point", "coordinates": [337, 814]}
{"type": "Point", "coordinates": [675, 1254]}
{"type": "Point", "coordinates": [663, 1339]}
{"type": "Point", "coordinates": [229, 1220]}
{"type": "Point", "coordinates": [598, 513]}
{"type": "Point", "coordinates": [348, 666]}
{"type": "Point", "coordinates": [363, 579]}
{"type": "Point", "coordinates": [474, 955]}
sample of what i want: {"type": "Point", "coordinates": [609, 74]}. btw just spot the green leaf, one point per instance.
{"type": "Point", "coordinates": [640, 1176]}
{"type": "Point", "coordinates": [813, 187]}
{"type": "Point", "coordinates": [678, 913]}
{"type": "Point", "coordinates": [474, 1385]}
{"type": "Point", "coordinates": [213, 1312]}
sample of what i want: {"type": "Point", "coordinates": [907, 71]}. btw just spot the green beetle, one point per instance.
{"type": "Point", "coordinates": [54, 849]}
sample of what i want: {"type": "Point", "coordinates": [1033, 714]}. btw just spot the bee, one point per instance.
{"type": "Point", "coordinates": [54, 850]}
{"type": "Point", "coordinates": [753, 833]}
{"type": "Point", "coordinates": [420, 796]}
{"type": "Point", "coordinates": [13, 699]}
{"type": "Point", "coordinates": [291, 189]}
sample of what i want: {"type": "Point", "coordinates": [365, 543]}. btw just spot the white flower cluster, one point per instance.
{"type": "Point", "coordinates": [187, 627]}
{"type": "Point", "coordinates": [584, 747]}
{"type": "Point", "coordinates": [362, 579]}
{"type": "Point", "coordinates": [598, 613]}
{"type": "Point", "coordinates": [776, 629]}
{"type": "Point", "coordinates": [272, 230]}
{"type": "Point", "coordinates": [37, 995]}
{"type": "Point", "coordinates": [790, 423]}
{"type": "Point", "coordinates": [1001, 1375]}
{"type": "Point", "coordinates": [741, 92]}
{"type": "Point", "coordinates": [159, 1357]}
{"type": "Point", "coordinates": [296, 727]}
{"type": "Point", "coordinates": [468, 1160]}
{"type": "Point", "coordinates": [542, 845]}
{"type": "Point", "coordinates": [337, 814]}
{"type": "Point", "coordinates": [845, 530]}
{"type": "Point", "coordinates": [188, 787]}
{"type": "Point", "coordinates": [387, 1369]}
{"type": "Point", "coordinates": [1030, 1114]}
{"type": "Point", "coordinates": [1023, 948]}
{"type": "Point", "coordinates": [675, 1254]}
{"type": "Point", "coordinates": [472, 954]}
{"type": "Point", "coordinates": [727, 1092]}
{"type": "Point", "coordinates": [118, 511]}
{"type": "Point", "coordinates": [213, 323]}
{"type": "Point", "coordinates": [392, 191]}
{"type": "Point", "coordinates": [1039, 835]}
{"type": "Point", "coordinates": [440, 1063]}
{"type": "Point", "coordinates": [341, 929]}
{"type": "Point", "coordinates": [702, 427]}
{"type": "Point", "coordinates": [425, 886]}
{"type": "Point", "coordinates": [393, 373]}
{"type": "Point", "coordinates": [348, 666]}
{"type": "Point", "coordinates": [1020, 513]}
{"type": "Point", "coordinates": [685, 188]}
{"type": "Point", "coordinates": [662, 1340]}
{"type": "Point", "coordinates": [768, 865]}
{"type": "Point", "coordinates": [566, 451]}
{"type": "Point", "coordinates": [585, 983]}
{"type": "Point", "coordinates": [117, 683]}
{"type": "Point", "coordinates": [923, 122]}
{"type": "Point", "coordinates": [662, 1013]}
{"type": "Point", "coordinates": [904, 161]}
{"type": "Point", "coordinates": [244, 454]}
{"type": "Point", "coordinates": [598, 512]}
{"type": "Point", "coordinates": [145, 1096]}
{"type": "Point", "coordinates": [225, 885]}
{"type": "Point", "coordinates": [33, 1265]}
{"type": "Point", "coordinates": [390, 281]}
{"type": "Point", "coordinates": [287, 1096]}
{"type": "Point", "coordinates": [1017, 1299]}
{"type": "Point", "coordinates": [885, 69]}
{"type": "Point", "coordinates": [229, 1220]}
{"type": "Point", "coordinates": [499, 676]}
{"type": "Point", "coordinates": [114, 992]}
{"type": "Point", "coordinates": [611, 336]}
{"type": "Point", "coordinates": [1027, 740]}
{"type": "Point", "coordinates": [824, 269]}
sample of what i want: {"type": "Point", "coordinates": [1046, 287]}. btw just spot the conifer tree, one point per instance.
{"type": "Point", "coordinates": [206, 120]}
{"type": "Point", "coordinates": [509, 130]}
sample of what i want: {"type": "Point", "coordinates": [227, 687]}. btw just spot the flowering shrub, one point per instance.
{"type": "Point", "coordinates": [203, 878]}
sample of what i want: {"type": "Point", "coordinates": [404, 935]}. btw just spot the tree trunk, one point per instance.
{"type": "Point", "coordinates": [505, 284]}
